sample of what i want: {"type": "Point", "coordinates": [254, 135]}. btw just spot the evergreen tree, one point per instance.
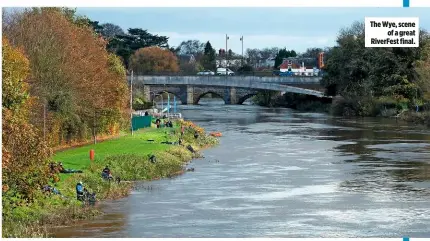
{"type": "Point", "coordinates": [283, 53]}
{"type": "Point", "coordinates": [208, 60]}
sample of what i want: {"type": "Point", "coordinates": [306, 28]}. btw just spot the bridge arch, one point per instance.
{"type": "Point", "coordinates": [245, 97]}
{"type": "Point", "coordinates": [213, 93]}
{"type": "Point", "coordinates": [158, 93]}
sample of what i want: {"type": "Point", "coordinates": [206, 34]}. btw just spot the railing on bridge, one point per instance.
{"type": "Point", "coordinates": [275, 73]}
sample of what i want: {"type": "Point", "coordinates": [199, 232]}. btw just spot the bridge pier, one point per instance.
{"type": "Point", "coordinates": [190, 95]}
{"type": "Point", "coordinates": [232, 97]}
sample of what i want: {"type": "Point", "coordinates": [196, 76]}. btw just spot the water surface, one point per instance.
{"type": "Point", "coordinates": [282, 173]}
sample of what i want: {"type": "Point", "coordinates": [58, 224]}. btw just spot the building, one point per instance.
{"type": "Point", "coordinates": [300, 66]}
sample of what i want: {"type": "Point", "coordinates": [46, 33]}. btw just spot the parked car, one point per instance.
{"type": "Point", "coordinates": [206, 72]}
{"type": "Point", "coordinates": [224, 71]}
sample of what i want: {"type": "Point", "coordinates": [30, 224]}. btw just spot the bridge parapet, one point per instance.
{"type": "Point", "coordinates": [296, 80]}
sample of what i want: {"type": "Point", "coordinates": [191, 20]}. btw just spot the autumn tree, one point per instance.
{"type": "Point", "coordinates": [24, 154]}
{"type": "Point", "coordinates": [70, 74]}
{"type": "Point", "coordinates": [153, 60]}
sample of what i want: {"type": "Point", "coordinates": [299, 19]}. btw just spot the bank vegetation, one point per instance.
{"type": "Point", "coordinates": [64, 84]}
{"type": "Point", "coordinates": [390, 82]}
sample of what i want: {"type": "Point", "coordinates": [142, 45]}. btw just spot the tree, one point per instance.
{"type": "Point", "coordinates": [73, 90]}
{"type": "Point", "coordinates": [190, 68]}
{"type": "Point", "coordinates": [110, 30]}
{"type": "Point", "coordinates": [152, 60]}
{"type": "Point", "coordinates": [24, 154]}
{"type": "Point", "coordinates": [268, 52]}
{"type": "Point", "coordinates": [15, 69]}
{"type": "Point", "coordinates": [253, 56]}
{"type": "Point", "coordinates": [312, 52]}
{"type": "Point", "coordinates": [208, 60]}
{"type": "Point", "coordinates": [423, 67]}
{"type": "Point", "coordinates": [283, 53]}
{"type": "Point", "coordinates": [245, 69]}
{"type": "Point", "coordinates": [136, 38]}
{"type": "Point", "coordinates": [266, 97]}
{"type": "Point", "coordinates": [364, 75]}
{"type": "Point", "coordinates": [194, 47]}
{"type": "Point", "coordinates": [360, 71]}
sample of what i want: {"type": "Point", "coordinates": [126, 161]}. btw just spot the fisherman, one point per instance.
{"type": "Point", "coordinates": [106, 174]}
{"type": "Point", "coordinates": [80, 191]}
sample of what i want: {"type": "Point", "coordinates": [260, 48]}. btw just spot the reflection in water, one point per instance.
{"type": "Point", "coordinates": [283, 173]}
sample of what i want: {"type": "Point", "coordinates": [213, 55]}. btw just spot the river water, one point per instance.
{"type": "Point", "coordinates": [282, 173]}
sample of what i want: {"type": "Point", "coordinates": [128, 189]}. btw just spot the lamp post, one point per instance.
{"type": "Point", "coordinates": [226, 53]}
{"type": "Point", "coordinates": [241, 39]}
{"type": "Point", "coordinates": [153, 97]}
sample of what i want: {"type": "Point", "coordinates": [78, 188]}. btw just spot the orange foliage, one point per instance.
{"type": "Point", "coordinates": [189, 124]}
{"type": "Point", "coordinates": [15, 69]}
{"type": "Point", "coordinates": [154, 60]}
{"type": "Point", "coordinates": [71, 69]}
{"type": "Point", "coordinates": [25, 167]}
{"type": "Point", "coordinates": [24, 153]}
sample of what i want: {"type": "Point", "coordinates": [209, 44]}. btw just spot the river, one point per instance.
{"type": "Point", "coordinates": [282, 173]}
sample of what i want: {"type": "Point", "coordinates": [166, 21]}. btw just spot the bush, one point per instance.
{"type": "Point", "coordinates": [355, 107]}
{"type": "Point", "coordinates": [416, 117]}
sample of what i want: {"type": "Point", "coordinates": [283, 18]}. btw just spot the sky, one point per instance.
{"type": "Point", "coordinates": [293, 28]}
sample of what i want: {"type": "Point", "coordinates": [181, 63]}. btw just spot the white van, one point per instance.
{"type": "Point", "coordinates": [224, 71]}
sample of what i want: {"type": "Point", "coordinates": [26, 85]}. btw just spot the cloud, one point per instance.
{"type": "Point", "coordinates": [293, 28]}
{"type": "Point", "coordinates": [217, 40]}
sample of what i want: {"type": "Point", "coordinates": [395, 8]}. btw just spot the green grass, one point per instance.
{"type": "Point", "coordinates": [79, 158]}
{"type": "Point", "coordinates": [127, 157]}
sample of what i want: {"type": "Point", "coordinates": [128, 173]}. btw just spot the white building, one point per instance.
{"type": "Point", "coordinates": [299, 70]}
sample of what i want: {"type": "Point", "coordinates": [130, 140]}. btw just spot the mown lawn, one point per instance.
{"type": "Point", "coordinates": [79, 158]}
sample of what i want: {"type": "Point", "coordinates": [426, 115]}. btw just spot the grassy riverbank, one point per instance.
{"type": "Point", "coordinates": [127, 157]}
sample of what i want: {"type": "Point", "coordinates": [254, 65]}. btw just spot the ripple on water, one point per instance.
{"type": "Point", "coordinates": [294, 192]}
{"type": "Point", "coordinates": [284, 174]}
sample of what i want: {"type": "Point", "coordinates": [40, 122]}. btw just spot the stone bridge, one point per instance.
{"type": "Point", "coordinates": [232, 89]}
